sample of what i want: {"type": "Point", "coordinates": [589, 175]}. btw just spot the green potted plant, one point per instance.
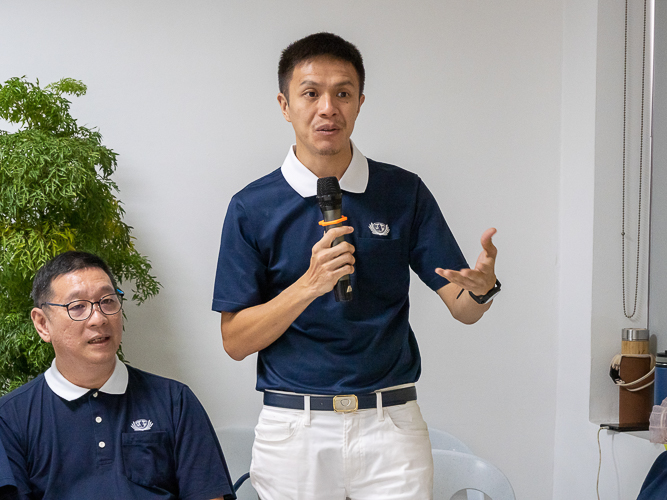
{"type": "Point", "coordinates": [56, 194]}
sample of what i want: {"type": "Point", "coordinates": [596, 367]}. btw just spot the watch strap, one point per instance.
{"type": "Point", "coordinates": [483, 299]}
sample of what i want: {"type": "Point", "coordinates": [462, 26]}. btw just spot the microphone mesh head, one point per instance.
{"type": "Point", "coordinates": [327, 186]}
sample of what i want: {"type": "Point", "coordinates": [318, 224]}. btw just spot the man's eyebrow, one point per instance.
{"type": "Point", "coordinates": [313, 83]}
{"type": "Point", "coordinates": [309, 83]}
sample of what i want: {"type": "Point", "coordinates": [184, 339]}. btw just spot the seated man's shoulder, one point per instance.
{"type": "Point", "coordinates": [152, 381]}
{"type": "Point", "coordinates": [149, 388]}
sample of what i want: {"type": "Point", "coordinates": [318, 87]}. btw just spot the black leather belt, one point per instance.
{"type": "Point", "coordinates": [343, 403]}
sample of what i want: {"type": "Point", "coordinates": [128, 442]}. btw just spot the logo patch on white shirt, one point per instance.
{"type": "Point", "coordinates": [141, 425]}
{"type": "Point", "coordinates": [379, 228]}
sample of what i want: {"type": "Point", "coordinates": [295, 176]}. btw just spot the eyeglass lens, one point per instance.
{"type": "Point", "coordinates": [82, 309]}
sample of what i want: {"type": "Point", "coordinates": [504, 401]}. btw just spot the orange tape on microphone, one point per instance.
{"type": "Point", "coordinates": [332, 222]}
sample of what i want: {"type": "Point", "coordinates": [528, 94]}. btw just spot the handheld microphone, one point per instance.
{"type": "Point", "coordinates": [330, 199]}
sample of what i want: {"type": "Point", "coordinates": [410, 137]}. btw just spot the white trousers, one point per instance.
{"type": "Point", "coordinates": [323, 455]}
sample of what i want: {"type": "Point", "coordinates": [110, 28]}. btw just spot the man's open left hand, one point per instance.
{"type": "Point", "coordinates": [482, 278]}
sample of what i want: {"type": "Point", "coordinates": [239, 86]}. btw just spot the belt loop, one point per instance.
{"type": "Point", "coordinates": [306, 409]}
{"type": "Point", "coordinates": [378, 398]}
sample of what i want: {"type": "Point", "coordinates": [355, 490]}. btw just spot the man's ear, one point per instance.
{"type": "Point", "coordinates": [284, 106]}
{"type": "Point", "coordinates": [362, 98]}
{"type": "Point", "coordinates": [42, 324]}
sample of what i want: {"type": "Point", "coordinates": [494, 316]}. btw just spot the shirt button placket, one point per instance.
{"type": "Point", "coordinates": [102, 436]}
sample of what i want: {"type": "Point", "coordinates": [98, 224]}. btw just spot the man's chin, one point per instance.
{"type": "Point", "coordinates": [103, 352]}
{"type": "Point", "coordinates": [329, 151]}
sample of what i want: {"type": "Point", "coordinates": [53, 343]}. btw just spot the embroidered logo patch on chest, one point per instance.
{"type": "Point", "coordinates": [141, 424]}
{"type": "Point", "coordinates": [379, 228]}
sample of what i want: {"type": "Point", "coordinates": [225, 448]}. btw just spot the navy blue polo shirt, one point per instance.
{"type": "Point", "coordinates": [140, 436]}
{"type": "Point", "coordinates": [336, 348]}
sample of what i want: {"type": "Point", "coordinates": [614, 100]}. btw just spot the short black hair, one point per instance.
{"type": "Point", "coordinates": [318, 44]}
{"type": "Point", "coordinates": [64, 263]}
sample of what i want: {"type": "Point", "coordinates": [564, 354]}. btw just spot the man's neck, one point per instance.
{"type": "Point", "coordinates": [89, 377]}
{"type": "Point", "coordinates": [325, 165]}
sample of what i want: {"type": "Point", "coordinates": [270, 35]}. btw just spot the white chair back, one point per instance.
{"type": "Point", "coordinates": [455, 471]}
{"type": "Point", "coordinates": [441, 440]}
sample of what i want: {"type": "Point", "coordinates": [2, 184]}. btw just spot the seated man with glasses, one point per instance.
{"type": "Point", "coordinates": [91, 427]}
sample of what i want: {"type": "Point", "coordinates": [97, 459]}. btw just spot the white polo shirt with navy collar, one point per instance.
{"type": "Point", "coordinates": [139, 436]}
{"type": "Point", "coordinates": [336, 348]}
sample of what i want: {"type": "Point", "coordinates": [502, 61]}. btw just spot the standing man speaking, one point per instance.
{"type": "Point", "coordinates": [340, 417]}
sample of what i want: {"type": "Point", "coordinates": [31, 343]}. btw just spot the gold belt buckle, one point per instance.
{"type": "Point", "coordinates": [345, 404]}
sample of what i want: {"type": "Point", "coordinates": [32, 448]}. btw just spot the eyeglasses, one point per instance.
{"type": "Point", "coordinates": [81, 310]}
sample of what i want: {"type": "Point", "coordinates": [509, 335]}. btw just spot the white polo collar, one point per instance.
{"type": "Point", "coordinates": [116, 384]}
{"type": "Point", "coordinates": [304, 182]}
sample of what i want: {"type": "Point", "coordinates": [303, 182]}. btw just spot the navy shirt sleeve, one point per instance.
{"type": "Point", "coordinates": [432, 243]}
{"type": "Point", "coordinates": [200, 463]}
{"type": "Point", "coordinates": [240, 265]}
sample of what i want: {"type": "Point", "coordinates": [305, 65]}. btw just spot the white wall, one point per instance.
{"type": "Point", "coordinates": [472, 95]}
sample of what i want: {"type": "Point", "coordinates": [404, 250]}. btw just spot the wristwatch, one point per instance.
{"type": "Point", "coordinates": [483, 299]}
